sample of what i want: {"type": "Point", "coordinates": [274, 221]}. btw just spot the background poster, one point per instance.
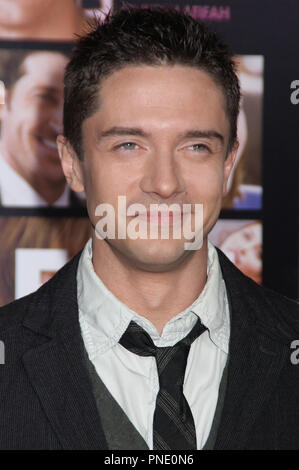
{"type": "Point", "coordinates": [51, 241]}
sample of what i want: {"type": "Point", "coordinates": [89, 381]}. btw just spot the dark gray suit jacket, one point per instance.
{"type": "Point", "coordinates": [46, 398]}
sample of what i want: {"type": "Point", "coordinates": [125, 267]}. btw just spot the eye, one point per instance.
{"type": "Point", "coordinates": [45, 97]}
{"type": "Point", "coordinates": [127, 146]}
{"type": "Point", "coordinates": [199, 147]}
{"type": "Point", "coordinates": [247, 235]}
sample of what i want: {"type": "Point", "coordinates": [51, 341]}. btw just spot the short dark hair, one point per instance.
{"type": "Point", "coordinates": [143, 36]}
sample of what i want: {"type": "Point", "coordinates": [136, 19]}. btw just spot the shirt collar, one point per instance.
{"type": "Point", "coordinates": [212, 304]}
{"type": "Point", "coordinates": [104, 317]}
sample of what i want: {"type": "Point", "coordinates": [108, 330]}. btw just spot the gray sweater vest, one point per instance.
{"type": "Point", "coordinates": [120, 433]}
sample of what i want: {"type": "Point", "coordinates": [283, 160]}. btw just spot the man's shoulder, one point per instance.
{"type": "Point", "coordinates": [13, 313]}
{"type": "Point", "coordinates": [266, 306]}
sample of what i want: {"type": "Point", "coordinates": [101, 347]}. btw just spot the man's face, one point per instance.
{"type": "Point", "coordinates": [32, 118]}
{"type": "Point", "coordinates": [160, 135]}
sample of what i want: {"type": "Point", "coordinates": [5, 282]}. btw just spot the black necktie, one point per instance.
{"type": "Point", "coordinates": [173, 426]}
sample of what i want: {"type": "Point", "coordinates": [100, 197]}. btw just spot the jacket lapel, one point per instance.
{"type": "Point", "coordinates": [56, 365]}
{"type": "Point", "coordinates": [255, 358]}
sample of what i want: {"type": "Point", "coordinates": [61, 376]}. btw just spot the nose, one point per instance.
{"type": "Point", "coordinates": [162, 178]}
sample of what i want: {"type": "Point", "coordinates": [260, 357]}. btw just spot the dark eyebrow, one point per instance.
{"type": "Point", "coordinates": [207, 134]}
{"type": "Point", "coordinates": [136, 131]}
{"type": "Point", "coordinates": [119, 131]}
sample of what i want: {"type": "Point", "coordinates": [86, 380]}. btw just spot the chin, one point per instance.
{"type": "Point", "coordinates": [156, 255]}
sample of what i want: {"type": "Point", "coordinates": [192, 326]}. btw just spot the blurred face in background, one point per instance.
{"type": "Point", "coordinates": [54, 19]}
{"type": "Point", "coordinates": [24, 12]}
{"type": "Point", "coordinates": [32, 119]}
{"type": "Point", "coordinates": [244, 248]}
{"type": "Point", "coordinates": [47, 19]}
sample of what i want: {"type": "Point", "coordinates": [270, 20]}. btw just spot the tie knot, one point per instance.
{"type": "Point", "coordinates": [138, 341]}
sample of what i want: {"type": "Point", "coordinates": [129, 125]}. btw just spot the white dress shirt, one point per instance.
{"type": "Point", "coordinates": [133, 380]}
{"type": "Point", "coordinates": [16, 192]}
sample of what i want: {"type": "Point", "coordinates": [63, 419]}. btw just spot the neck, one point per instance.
{"type": "Point", "coordinates": [157, 296]}
{"type": "Point", "coordinates": [61, 21]}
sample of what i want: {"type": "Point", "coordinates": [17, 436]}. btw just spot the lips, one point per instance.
{"type": "Point", "coordinates": [162, 218]}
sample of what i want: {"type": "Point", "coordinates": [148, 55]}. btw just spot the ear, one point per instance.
{"type": "Point", "coordinates": [71, 165]}
{"type": "Point", "coordinates": [229, 166]}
